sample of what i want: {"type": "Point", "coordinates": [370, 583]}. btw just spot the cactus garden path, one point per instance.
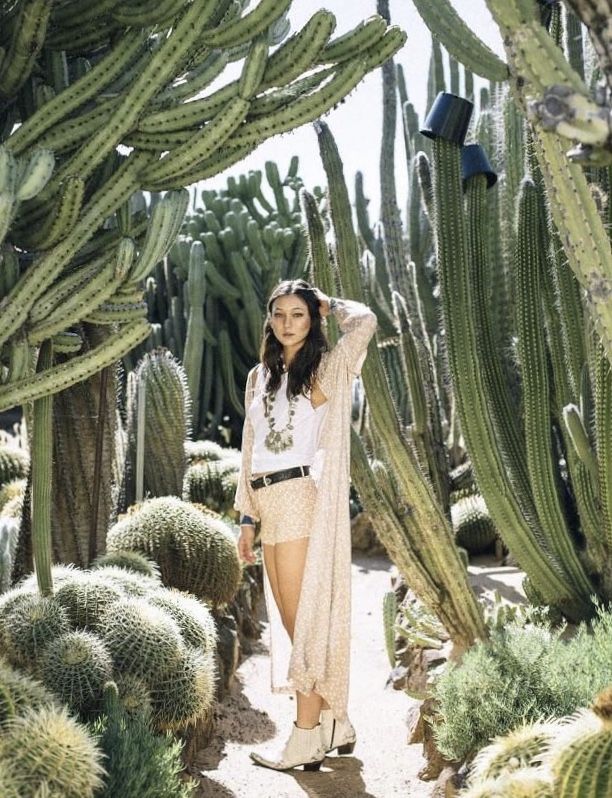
{"type": "Point", "coordinates": [382, 764]}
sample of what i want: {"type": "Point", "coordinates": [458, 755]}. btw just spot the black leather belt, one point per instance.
{"type": "Point", "coordinates": [279, 476]}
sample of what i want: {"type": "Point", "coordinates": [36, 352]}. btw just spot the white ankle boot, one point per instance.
{"type": "Point", "coordinates": [337, 734]}
{"type": "Point", "coordinates": [304, 747]}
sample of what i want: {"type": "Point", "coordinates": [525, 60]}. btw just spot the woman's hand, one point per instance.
{"type": "Point", "coordinates": [245, 543]}
{"type": "Point", "coordinates": [323, 302]}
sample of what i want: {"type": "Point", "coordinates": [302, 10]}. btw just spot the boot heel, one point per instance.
{"type": "Point", "coordinates": [348, 748]}
{"type": "Point", "coordinates": [313, 765]}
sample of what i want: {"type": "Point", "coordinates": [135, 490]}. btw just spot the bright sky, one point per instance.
{"type": "Point", "coordinates": [356, 123]}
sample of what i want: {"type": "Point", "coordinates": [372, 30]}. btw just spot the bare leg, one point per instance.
{"type": "Point", "coordinates": [290, 557]}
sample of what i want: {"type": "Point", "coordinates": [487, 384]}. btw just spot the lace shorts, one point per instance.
{"type": "Point", "coordinates": [286, 509]}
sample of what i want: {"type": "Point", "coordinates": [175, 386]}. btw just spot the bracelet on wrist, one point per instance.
{"type": "Point", "coordinates": [246, 520]}
{"type": "Point", "coordinates": [333, 304]}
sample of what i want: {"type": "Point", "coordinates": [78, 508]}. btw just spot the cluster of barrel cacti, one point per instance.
{"type": "Point", "coordinates": [206, 300]}
{"type": "Point", "coordinates": [566, 758]}
{"type": "Point", "coordinates": [113, 622]}
{"type": "Point", "coordinates": [38, 737]}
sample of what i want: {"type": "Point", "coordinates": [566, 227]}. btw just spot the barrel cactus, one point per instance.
{"type": "Point", "coordinates": [197, 451]}
{"type": "Point", "coordinates": [134, 695]}
{"type": "Point", "coordinates": [195, 551]}
{"type": "Point", "coordinates": [10, 490]}
{"type": "Point", "coordinates": [40, 743]}
{"type": "Point", "coordinates": [193, 617]}
{"type": "Point", "coordinates": [185, 693]}
{"type": "Point", "coordinates": [212, 484]}
{"type": "Point", "coordinates": [472, 524]}
{"type": "Point", "coordinates": [142, 640]}
{"type": "Point", "coordinates": [581, 760]}
{"type": "Point", "coordinates": [29, 625]}
{"type": "Point", "coordinates": [75, 666]}
{"type": "Point", "coordinates": [85, 599]}
{"type": "Point", "coordinates": [132, 583]}
{"type": "Point", "coordinates": [526, 783]}
{"type": "Point", "coordinates": [19, 692]}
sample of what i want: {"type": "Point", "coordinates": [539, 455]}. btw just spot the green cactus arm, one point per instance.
{"type": "Point", "coordinates": [79, 93]}
{"type": "Point", "coordinates": [529, 267]}
{"type": "Point", "coordinates": [162, 231]}
{"type": "Point", "coordinates": [580, 439]}
{"type": "Point", "coordinates": [232, 34]}
{"type": "Point", "coordinates": [389, 615]}
{"type": "Point", "coordinates": [201, 146]}
{"type": "Point", "coordinates": [154, 12]}
{"type": "Point", "coordinates": [227, 371]}
{"type": "Point", "coordinates": [67, 134]}
{"type": "Point", "coordinates": [447, 26]}
{"type": "Point", "coordinates": [38, 278]}
{"type": "Point", "coordinates": [470, 389]}
{"type": "Point", "coordinates": [193, 82]}
{"type": "Point", "coordinates": [42, 488]}
{"type": "Point", "coordinates": [367, 33]}
{"type": "Point", "coordinates": [27, 38]}
{"type": "Point", "coordinates": [60, 221]}
{"type": "Point", "coordinates": [59, 377]}
{"type": "Point", "coordinates": [603, 428]}
{"type": "Point", "coordinates": [194, 341]}
{"type": "Point", "coordinates": [159, 70]}
{"type": "Point", "coordinates": [254, 67]}
{"type": "Point", "coordinates": [76, 307]}
{"type": "Point", "coordinates": [225, 157]}
{"type": "Point", "coordinates": [299, 52]}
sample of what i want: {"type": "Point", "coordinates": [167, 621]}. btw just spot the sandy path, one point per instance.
{"type": "Point", "coordinates": [382, 764]}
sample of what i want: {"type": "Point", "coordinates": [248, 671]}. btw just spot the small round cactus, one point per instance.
{"type": "Point", "coordinates": [192, 616]}
{"type": "Point", "coordinates": [46, 744]}
{"type": "Point", "coordinates": [143, 640]}
{"type": "Point", "coordinates": [474, 529]}
{"type": "Point", "coordinates": [19, 692]}
{"type": "Point", "coordinates": [130, 560]}
{"type": "Point", "coordinates": [522, 747]}
{"type": "Point", "coordinates": [212, 484]}
{"type": "Point", "coordinates": [30, 625]}
{"type": "Point", "coordinates": [134, 696]}
{"type": "Point", "coordinates": [582, 767]}
{"type": "Point", "coordinates": [196, 552]}
{"type": "Point", "coordinates": [9, 780]}
{"type": "Point", "coordinates": [14, 464]}
{"type": "Point", "coordinates": [75, 668]}
{"type": "Point", "coordinates": [186, 693]}
{"type": "Point", "coordinates": [85, 599]}
{"type": "Point", "coordinates": [525, 783]}
{"type": "Point", "coordinates": [196, 451]}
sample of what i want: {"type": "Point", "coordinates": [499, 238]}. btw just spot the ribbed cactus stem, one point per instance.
{"type": "Point", "coordinates": [42, 472]}
{"type": "Point", "coordinates": [469, 388]}
{"type": "Point", "coordinates": [194, 343]}
{"type": "Point", "coordinates": [510, 439]}
{"type": "Point", "coordinates": [529, 268]}
{"type": "Point", "coordinates": [603, 425]}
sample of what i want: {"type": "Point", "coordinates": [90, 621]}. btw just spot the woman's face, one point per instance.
{"type": "Point", "coordinates": [290, 321]}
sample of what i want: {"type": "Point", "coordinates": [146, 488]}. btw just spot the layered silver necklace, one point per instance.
{"type": "Point", "coordinates": [278, 440]}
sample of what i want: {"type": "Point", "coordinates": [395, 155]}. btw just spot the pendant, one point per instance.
{"type": "Point", "coordinates": [278, 441]}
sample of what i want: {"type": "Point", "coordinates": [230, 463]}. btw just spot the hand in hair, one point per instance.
{"type": "Point", "coordinates": [323, 301]}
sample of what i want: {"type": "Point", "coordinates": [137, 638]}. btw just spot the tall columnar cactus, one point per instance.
{"type": "Point", "coordinates": [158, 423]}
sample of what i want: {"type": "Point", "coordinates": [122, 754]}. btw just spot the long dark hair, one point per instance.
{"type": "Point", "coordinates": [304, 364]}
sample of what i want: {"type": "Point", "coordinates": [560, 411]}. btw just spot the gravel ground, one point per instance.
{"type": "Point", "coordinates": [382, 765]}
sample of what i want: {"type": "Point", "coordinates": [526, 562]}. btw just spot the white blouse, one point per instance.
{"type": "Point", "coordinates": [306, 425]}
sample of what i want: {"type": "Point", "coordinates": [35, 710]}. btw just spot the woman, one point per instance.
{"type": "Point", "coordinates": [294, 479]}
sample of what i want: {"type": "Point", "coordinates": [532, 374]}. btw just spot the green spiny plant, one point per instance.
{"type": "Point", "coordinates": [40, 742]}
{"type": "Point", "coordinates": [75, 667]}
{"type": "Point", "coordinates": [474, 530]}
{"type": "Point", "coordinates": [131, 560]}
{"type": "Point", "coordinates": [193, 617]}
{"type": "Point", "coordinates": [195, 551]}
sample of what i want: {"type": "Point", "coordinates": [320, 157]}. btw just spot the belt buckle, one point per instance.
{"type": "Point", "coordinates": [265, 480]}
